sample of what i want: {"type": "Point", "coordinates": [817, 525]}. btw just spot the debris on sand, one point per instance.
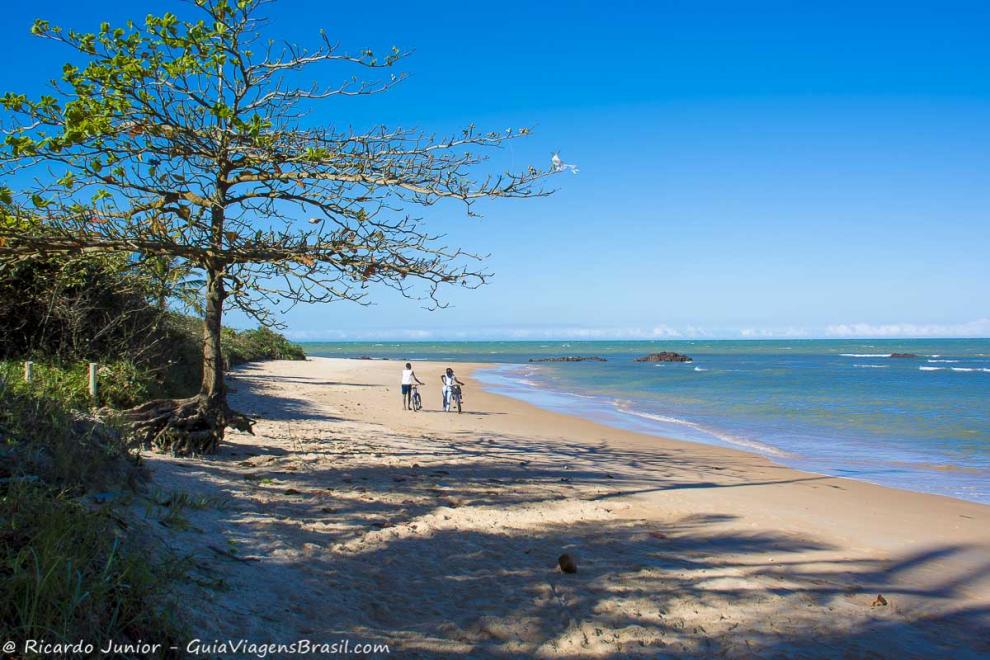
{"type": "Point", "coordinates": [567, 563]}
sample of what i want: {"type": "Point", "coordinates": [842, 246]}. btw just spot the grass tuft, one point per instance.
{"type": "Point", "coordinates": [69, 575]}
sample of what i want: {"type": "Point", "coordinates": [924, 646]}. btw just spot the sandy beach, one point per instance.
{"type": "Point", "coordinates": [345, 517]}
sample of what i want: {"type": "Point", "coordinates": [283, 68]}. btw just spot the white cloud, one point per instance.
{"type": "Point", "coordinates": [507, 333]}
{"type": "Point", "coordinates": [774, 333]}
{"type": "Point", "coordinates": [401, 334]}
{"type": "Point", "coordinates": [978, 328]}
{"type": "Point", "coordinates": [567, 332]}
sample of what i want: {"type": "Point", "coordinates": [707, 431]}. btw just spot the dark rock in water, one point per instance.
{"type": "Point", "coordinates": [903, 355]}
{"type": "Point", "coordinates": [665, 356]}
{"type": "Point", "coordinates": [569, 358]}
{"type": "Point", "coordinates": [880, 601]}
{"type": "Point", "coordinates": [567, 563]}
{"type": "Point", "coordinates": [364, 357]}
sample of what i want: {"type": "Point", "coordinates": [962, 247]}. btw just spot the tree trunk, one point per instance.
{"type": "Point", "coordinates": [212, 390]}
{"type": "Point", "coordinates": [195, 425]}
{"type": "Point", "coordinates": [212, 399]}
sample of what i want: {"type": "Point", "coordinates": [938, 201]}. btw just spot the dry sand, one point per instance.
{"type": "Point", "coordinates": [346, 517]}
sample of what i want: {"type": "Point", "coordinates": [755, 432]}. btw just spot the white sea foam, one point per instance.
{"type": "Point", "coordinates": [884, 355]}
{"type": "Point", "coordinates": [700, 369]}
{"type": "Point", "coordinates": [724, 437]}
{"type": "Point", "coordinates": [942, 360]}
{"type": "Point", "coordinates": [964, 369]}
{"type": "Point", "coordinates": [872, 366]}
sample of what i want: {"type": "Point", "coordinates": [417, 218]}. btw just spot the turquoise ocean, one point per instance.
{"type": "Point", "coordinates": [838, 407]}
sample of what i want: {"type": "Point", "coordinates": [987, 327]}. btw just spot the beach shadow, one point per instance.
{"type": "Point", "coordinates": [450, 550]}
{"type": "Point", "coordinates": [243, 376]}
{"type": "Point", "coordinates": [499, 593]}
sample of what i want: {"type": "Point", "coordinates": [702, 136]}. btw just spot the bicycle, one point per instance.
{"type": "Point", "coordinates": [455, 396]}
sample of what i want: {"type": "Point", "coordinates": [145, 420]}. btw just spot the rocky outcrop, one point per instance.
{"type": "Point", "coordinates": [903, 355]}
{"type": "Point", "coordinates": [569, 358]}
{"type": "Point", "coordinates": [664, 356]}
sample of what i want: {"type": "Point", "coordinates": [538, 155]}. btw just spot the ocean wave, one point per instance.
{"type": "Point", "coordinates": [965, 369]}
{"type": "Point", "coordinates": [872, 366]}
{"type": "Point", "coordinates": [724, 437]}
{"type": "Point", "coordinates": [883, 355]}
{"type": "Point", "coordinates": [942, 360]}
{"type": "Point", "coordinates": [700, 369]}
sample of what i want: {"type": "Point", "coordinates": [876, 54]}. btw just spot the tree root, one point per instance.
{"type": "Point", "coordinates": [183, 427]}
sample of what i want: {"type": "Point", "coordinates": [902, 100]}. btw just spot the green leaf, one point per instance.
{"type": "Point", "coordinates": [40, 27]}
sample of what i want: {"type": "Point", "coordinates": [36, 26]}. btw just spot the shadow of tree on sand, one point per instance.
{"type": "Point", "coordinates": [448, 547]}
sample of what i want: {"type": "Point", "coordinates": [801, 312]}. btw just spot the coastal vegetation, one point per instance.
{"type": "Point", "coordinates": [179, 141]}
{"type": "Point", "coordinates": [71, 563]}
{"type": "Point", "coordinates": [166, 179]}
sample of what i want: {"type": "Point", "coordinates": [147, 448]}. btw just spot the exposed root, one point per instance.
{"type": "Point", "coordinates": [183, 426]}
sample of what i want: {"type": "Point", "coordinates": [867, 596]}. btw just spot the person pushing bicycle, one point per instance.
{"type": "Point", "coordinates": [408, 377]}
{"type": "Point", "coordinates": [449, 381]}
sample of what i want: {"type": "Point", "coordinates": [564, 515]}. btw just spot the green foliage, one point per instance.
{"type": "Point", "coordinates": [66, 571]}
{"type": "Point", "coordinates": [65, 313]}
{"type": "Point", "coordinates": [42, 438]}
{"type": "Point", "coordinates": [124, 63]}
{"type": "Point", "coordinates": [258, 344]}
{"type": "Point", "coordinates": [67, 574]}
{"type": "Point", "coordinates": [77, 308]}
{"type": "Point", "coordinates": [122, 384]}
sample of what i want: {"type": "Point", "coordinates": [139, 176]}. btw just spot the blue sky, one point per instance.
{"type": "Point", "coordinates": [773, 169]}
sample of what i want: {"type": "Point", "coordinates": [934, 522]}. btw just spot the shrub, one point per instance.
{"type": "Point", "coordinates": [67, 572]}
{"type": "Point", "coordinates": [41, 439]}
{"type": "Point", "coordinates": [67, 575]}
{"type": "Point", "coordinates": [75, 308]}
{"type": "Point", "coordinates": [258, 344]}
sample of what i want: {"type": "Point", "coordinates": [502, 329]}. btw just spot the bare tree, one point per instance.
{"type": "Point", "coordinates": [188, 140]}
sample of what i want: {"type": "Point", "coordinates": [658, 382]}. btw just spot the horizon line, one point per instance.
{"type": "Point", "coordinates": [407, 340]}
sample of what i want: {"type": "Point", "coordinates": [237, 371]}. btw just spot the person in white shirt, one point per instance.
{"type": "Point", "coordinates": [448, 380]}
{"type": "Point", "coordinates": [408, 377]}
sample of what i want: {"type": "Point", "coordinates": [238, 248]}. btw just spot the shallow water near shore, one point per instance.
{"type": "Point", "coordinates": [844, 408]}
